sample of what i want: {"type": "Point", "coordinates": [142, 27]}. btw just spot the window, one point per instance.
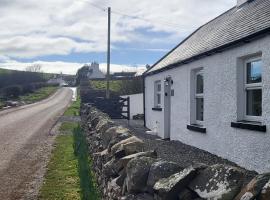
{"type": "Point", "coordinates": [199, 100]}
{"type": "Point", "coordinates": [253, 89]}
{"type": "Point", "coordinates": [157, 97]}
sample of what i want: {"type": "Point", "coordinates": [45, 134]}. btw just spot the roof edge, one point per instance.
{"type": "Point", "coordinates": [196, 30]}
{"type": "Point", "coordinates": [244, 40]}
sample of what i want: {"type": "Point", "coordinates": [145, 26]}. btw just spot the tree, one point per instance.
{"type": "Point", "coordinates": [34, 68]}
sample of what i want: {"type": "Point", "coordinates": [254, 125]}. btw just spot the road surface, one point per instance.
{"type": "Point", "coordinates": [25, 144]}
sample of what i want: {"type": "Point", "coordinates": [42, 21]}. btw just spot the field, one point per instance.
{"type": "Point", "coordinates": [4, 71]}
{"type": "Point", "coordinates": [38, 95]}
{"type": "Point", "coordinates": [115, 85]}
{"type": "Point", "coordinates": [121, 87]}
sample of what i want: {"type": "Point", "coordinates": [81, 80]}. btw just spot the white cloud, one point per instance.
{"type": "Point", "coordinates": [33, 28]}
{"type": "Point", "coordinates": [69, 68]}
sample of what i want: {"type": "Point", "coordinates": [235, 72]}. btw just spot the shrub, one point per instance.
{"type": "Point", "coordinates": [12, 91]}
{"type": "Point", "coordinates": [29, 88]}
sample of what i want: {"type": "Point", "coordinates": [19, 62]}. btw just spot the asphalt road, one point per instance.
{"type": "Point", "coordinates": [25, 144]}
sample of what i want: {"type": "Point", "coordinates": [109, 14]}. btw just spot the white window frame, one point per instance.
{"type": "Point", "coordinates": [156, 93]}
{"type": "Point", "coordinates": [250, 86]}
{"type": "Point", "coordinates": [198, 96]}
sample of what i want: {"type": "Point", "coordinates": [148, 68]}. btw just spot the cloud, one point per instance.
{"type": "Point", "coordinates": [68, 67]}
{"type": "Point", "coordinates": [33, 28]}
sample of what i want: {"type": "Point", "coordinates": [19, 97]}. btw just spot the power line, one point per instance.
{"type": "Point", "coordinates": [94, 5]}
{"type": "Point", "coordinates": [165, 23]}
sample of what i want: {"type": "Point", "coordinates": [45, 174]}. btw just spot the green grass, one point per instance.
{"type": "Point", "coordinates": [68, 127]}
{"type": "Point", "coordinates": [1, 104]}
{"type": "Point", "coordinates": [69, 176]}
{"type": "Point", "coordinates": [115, 85]}
{"type": "Point", "coordinates": [4, 71]}
{"type": "Point", "coordinates": [73, 110]}
{"type": "Point", "coordinates": [39, 94]}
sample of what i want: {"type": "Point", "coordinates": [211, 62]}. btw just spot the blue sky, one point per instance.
{"type": "Point", "coordinates": [65, 34]}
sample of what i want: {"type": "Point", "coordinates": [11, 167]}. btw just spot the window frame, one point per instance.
{"type": "Point", "coordinates": [198, 96]}
{"type": "Point", "coordinates": [251, 86]}
{"type": "Point", "coordinates": [156, 93]}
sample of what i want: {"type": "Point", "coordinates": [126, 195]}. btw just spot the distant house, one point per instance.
{"type": "Point", "coordinates": [94, 72]}
{"type": "Point", "coordinates": [57, 80]}
{"type": "Point", "coordinates": [212, 90]}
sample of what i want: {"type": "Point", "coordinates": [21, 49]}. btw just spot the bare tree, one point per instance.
{"type": "Point", "coordinates": [34, 68]}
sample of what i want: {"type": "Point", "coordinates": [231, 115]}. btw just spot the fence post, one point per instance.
{"type": "Point", "coordinates": [128, 108]}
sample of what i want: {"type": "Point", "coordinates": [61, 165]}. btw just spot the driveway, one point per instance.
{"type": "Point", "coordinates": [25, 144]}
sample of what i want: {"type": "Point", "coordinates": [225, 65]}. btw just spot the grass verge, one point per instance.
{"type": "Point", "coordinates": [39, 94]}
{"type": "Point", "coordinates": [73, 110]}
{"type": "Point", "coordinates": [69, 176]}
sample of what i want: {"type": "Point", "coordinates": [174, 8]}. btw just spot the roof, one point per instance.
{"type": "Point", "coordinates": [232, 26]}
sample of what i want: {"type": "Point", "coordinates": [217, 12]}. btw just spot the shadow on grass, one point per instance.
{"type": "Point", "coordinates": [87, 181]}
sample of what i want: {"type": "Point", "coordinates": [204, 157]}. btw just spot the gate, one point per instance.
{"type": "Point", "coordinates": [116, 107]}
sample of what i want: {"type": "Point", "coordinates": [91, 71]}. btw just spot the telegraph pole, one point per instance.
{"type": "Point", "coordinates": [108, 54]}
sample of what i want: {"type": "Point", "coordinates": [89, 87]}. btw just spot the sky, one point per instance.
{"type": "Point", "coordinates": [63, 35]}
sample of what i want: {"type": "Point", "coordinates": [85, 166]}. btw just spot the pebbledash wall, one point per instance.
{"type": "Point", "coordinates": [250, 149]}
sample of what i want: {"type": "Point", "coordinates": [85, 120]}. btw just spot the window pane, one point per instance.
{"type": "Point", "coordinates": [254, 102]}
{"type": "Point", "coordinates": [158, 87]}
{"type": "Point", "coordinates": [199, 84]}
{"type": "Point", "coordinates": [254, 72]}
{"type": "Point", "coordinates": [158, 99]}
{"type": "Point", "coordinates": [199, 109]}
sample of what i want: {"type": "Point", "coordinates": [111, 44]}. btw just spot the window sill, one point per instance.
{"type": "Point", "coordinates": [196, 128]}
{"type": "Point", "coordinates": [157, 109]}
{"type": "Point", "coordinates": [254, 126]}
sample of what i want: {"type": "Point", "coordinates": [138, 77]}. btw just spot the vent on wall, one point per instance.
{"type": "Point", "coordinates": [241, 2]}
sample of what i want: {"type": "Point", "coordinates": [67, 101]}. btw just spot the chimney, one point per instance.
{"type": "Point", "coordinates": [241, 2]}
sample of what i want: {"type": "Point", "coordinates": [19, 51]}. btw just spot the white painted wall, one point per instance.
{"type": "Point", "coordinates": [95, 71]}
{"type": "Point", "coordinates": [136, 104]}
{"type": "Point", "coordinates": [247, 148]}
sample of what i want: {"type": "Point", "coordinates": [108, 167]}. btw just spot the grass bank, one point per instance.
{"type": "Point", "coordinates": [74, 108]}
{"type": "Point", "coordinates": [39, 94]}
{"type": "Point", "coordinates": [69, 176]}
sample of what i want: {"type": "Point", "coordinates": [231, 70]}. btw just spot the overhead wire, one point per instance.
{"type": "Point", "coordinates": [114, 11]}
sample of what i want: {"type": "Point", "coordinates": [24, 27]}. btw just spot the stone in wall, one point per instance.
{"type": "Point", "coordinates": [161, 169]}
{"type": "Point", "coordinates": [169, 188]}
{"type": "Point", "coordinates": [254, 187]}
{"type": "Point", "coordinates": [130, 145]}
{"type": "Point", "coordinates": [137, 174]}
{"type": "Point", "coordinates": [218, 182]}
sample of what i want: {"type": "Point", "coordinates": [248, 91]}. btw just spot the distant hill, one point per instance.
{"type": "Point", "coordinates": [4, 71]}
{"type": "Point", "coordinates": [14, 77]}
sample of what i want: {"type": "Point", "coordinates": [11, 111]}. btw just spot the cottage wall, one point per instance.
{"type": "Point", "coordinates": [136, 104]}
{"type": "Point", "coordinates": [250, 149]}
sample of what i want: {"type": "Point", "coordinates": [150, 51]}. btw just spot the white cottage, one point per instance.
{"type": "Point", "coordinates": [212, 91]}
{"type": "Point", "coordinates": [94, 72]}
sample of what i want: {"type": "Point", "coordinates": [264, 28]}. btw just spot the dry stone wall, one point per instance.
{"type": "Point", "coordinates": [125, 171]}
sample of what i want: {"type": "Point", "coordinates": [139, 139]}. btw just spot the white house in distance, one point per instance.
{"type": "Point", "coordinates": [94, 71]}
{"type": "Point", "coordinates": [58, 79]}
{"type": "Point", "coordinates": [212, 91]}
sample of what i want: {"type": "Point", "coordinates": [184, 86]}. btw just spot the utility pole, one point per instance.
{"type": "Point", "coordinates": [108, 54]}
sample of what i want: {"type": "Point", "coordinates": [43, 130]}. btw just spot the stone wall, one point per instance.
{"type": "Point", "coordinates": [125, 171]}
